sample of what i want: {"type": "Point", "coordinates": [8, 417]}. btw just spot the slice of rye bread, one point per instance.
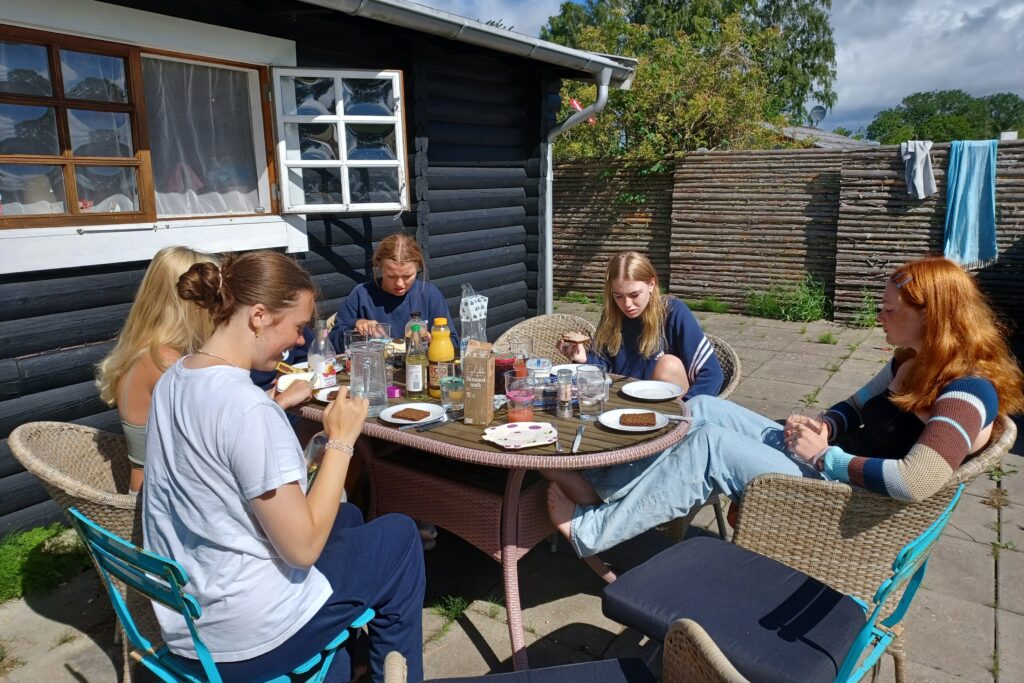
{"type": "Point", "coordinates": [411, 414]}
{"type": "Point", "coordinates": [575, 337]}
{"type": "Point", "coordinates": [637, 419]}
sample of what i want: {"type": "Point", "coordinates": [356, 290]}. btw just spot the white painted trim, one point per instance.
{"type": "Point", "coordinates": [33, 249]}
{"type": "Point", "coordinates": [148, 29]}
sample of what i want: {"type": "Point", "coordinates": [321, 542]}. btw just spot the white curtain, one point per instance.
{"type": "Point", "coordinates": [200, 132]}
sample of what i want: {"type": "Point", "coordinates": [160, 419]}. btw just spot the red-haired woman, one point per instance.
{"type": "Point", "coordinates": [902, 434]}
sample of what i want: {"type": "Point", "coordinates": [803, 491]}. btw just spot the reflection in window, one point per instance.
{"type": "Point", "coordinates": [203, 157]}
{"type": "Point", "coordinates": [28, 130]}
{"type": "Point", "coordinates": [100, 133]}
{"type": "Point", "coordinates": [310, 96]}
{"type": "Point", "coordinates": [93, 77]}
{"type": "Point", "coordinates": [316, 141]}
{"type": "Point", "coordinates": [371, 141]}
{"type": "Point", "coordinates": [103, 189]}
{"type": "Point", "coordinates": [31, 189]}
{"type": "Point", "coordinates": [373, 185]}
{"type": "Point", "coordinates": [369, 97]}
{"type": "Point", "coordinates": [315, 185]}
{"type": "Point", "coordinates": [24, 69]}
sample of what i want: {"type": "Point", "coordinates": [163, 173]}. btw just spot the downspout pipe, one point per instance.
{"type": "Point", "coordinates": [602, 78]}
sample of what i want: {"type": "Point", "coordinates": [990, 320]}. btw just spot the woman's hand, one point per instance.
{"type": "Point", "coordinates": [343, 417]}
{"type": "Point", "coordinates": [370, 328]}
{"type": "Point", "coordinates": [805, 437]}
{"type": "Point", "coordinates": [297, 393]}
{"type": "Point", "coordinates": [574, 351]}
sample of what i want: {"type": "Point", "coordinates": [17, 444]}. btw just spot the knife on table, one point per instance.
{"type": "Point", "coordinates": [576, 440]}
{"type": "Point", "coordinates": [450, 416]}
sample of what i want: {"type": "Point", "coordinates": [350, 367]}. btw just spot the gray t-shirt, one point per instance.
{"type": "Point", "coordinates": [216, 441]}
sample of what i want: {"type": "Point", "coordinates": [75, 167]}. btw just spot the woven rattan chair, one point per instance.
{"type": "Point", "coordinates": [544, 331]}
{"type": "Point", "coordinates": [844, 536]}
{"type": "Point", "coordinates": [89, 469]}
{"type": "Point", "coordinates": [730, 363]}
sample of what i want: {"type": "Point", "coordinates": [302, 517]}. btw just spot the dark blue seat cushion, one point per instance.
{"type": "Point", "coordinates": [773, 623]}
{"type": "Point", "coordinates": [604, 671]}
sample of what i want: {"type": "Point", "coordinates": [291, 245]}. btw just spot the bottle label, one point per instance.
{"type": "Point", "coordinates": [414, 379]}
{"type": "Point", "coordinates": [437, 371]}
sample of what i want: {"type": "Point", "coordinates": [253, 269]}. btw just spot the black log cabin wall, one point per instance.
{"type": "Point", "coordinates": [474, 122]}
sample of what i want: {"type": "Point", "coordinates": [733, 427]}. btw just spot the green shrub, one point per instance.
{"type": "Point", "coordinates": [576, 298]}
{"type": "Point", "coordinates": [828, 338]}
{"type": "Point", "coordinates": [711, 304]}
{"type": "Point", "coordinates": [803, 302]}
{"type": "Point", "coordinates": [30, 562]}
{"type": "Point", "coordinates": [867, 315]}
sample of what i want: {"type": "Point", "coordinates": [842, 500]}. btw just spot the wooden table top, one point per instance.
{"type": "Point", "coordinates": [600, 446]}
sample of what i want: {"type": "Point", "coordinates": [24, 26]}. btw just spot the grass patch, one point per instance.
{"type": "Point", "coordinates": [999, 472]}
{"type": "Point", "coordinates": [828, 338]}
{"type": "Point", "coordinates": [576, 298]}
{"type": "Point", "coordinates": [710, 304]}
{"type": "Point", "coordinates": [802, 302]}
{"type": "Point", "coordinates": [592, 308]}
{"type": "Point", "coordinates": [803, 329]}
{"type": "Point", "coordinates": [8, 662]}
{"type": "Point", "coordinates": [450, 607]}
{"type": "Point", "coordinates": [65, 638]}
{"type": "Point", "coordinates": [832, 367]}
{"type": "Point", "coordinates": [811, 398]}
{"type": "Point", "coordinates": [32, 562]}
{"type": "Point", "coordinates": [867, 314]}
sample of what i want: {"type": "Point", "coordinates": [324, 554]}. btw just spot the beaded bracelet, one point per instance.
{"type": "Point", "coordinates": [340, 446]}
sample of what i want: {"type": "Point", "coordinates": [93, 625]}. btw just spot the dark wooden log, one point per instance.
{"type": "Point", "coordinates": [72, 328]}
{"type": "Point", "coordinates": [465, 222]}
{"type": "Point", "coordinates": [19, 491]}
{"type": "Point", "coordinates": [34, 297]}
{"type": "Point", "coordinates": [453, 153]}
{"type": "Point", "coordinates": [444, 201]}
{"type": "Point", "coordinates": [455, 178]}
{"type": "Point", "coordinates": [40, 514]}
{"type": "Point", "coordinates": [490, 114]}
{"type": "Point", "coordinates": [468, 242]}
{"type": "Point", "coordinates": [30, 374]}
{"type": "Point", "coordinates": [65, 404]}
{"type": "Point", "coordinates": [492, 277]}
{"type": "Point", "coordinates": [488, 259]}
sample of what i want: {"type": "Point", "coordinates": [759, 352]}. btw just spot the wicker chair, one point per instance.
{"type": "Point", "coordinates": [544, 331]}
{"type": "Point", "coordinates": [89, 469]}
{"type": "Point", "coordinates": [730, 363]}
{"type": "Point", "coordinates": [843, 536]}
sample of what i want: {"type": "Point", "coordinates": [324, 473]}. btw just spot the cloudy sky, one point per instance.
{"type": "Point", "coordinates": [885, 49]}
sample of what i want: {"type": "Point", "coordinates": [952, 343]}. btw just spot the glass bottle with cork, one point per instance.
{"type": "Point", "coordinates": [416, 366]}
{"type": "Point", "coordinates": [440, 354]}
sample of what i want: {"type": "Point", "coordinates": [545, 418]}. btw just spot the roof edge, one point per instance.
{"type": "Point", "coordinates": [446, 25]}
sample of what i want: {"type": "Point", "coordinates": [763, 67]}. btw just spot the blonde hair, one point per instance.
{"type": "Point", "coordinates": [630, 265]}
{"type": "Point", "coordinates": [961, 336]}
{"type": "Point", "coordinates": [399, 248]}
{"type": "Point", "coordinates": [158, 318]}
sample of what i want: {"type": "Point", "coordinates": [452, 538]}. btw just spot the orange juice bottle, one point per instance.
{"type": "Point", "coordinates": [440, 352]}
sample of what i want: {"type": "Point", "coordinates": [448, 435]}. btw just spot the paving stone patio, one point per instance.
{"type": "Point", "coordinates": [967, 622]}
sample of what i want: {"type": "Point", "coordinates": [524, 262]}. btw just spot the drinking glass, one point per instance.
{"type": "Point", "coordinates": [802, 414]}
{"type": "Point", "coordinates": [519, 392]}
{"type": "Point", "coordinates": [592, 390]}
{"type": "Point", "coordinates": [453, 393]}
{"type": "Point", "coordinates": [380, 332]}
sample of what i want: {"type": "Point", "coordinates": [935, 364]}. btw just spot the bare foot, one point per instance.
{"type": "Point", "coordinates": [560, 509]}
{"type": "Point", "coordinates": [573, 485]}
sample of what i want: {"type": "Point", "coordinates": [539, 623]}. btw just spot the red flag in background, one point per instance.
{"type": "Point", "coordinates": [575, 104]}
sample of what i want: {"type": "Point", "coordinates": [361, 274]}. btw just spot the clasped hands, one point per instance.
{"type": "Point", "coordinates": [806, 437]}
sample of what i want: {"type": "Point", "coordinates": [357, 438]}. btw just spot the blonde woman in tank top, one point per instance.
{"type": "Point", "coordinates": [159, 329]}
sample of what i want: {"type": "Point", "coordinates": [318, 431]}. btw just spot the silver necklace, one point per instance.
{"type": "Point", "coordinates": [213, 355]}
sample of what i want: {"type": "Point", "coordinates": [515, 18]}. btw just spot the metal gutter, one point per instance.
{"type": "Point", "coordinates": [428, 20]}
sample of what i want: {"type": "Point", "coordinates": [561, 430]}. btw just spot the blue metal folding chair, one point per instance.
{"type": "Point", "coordinates": [730, 614]}
{"type": "Point", "coordinates": [163, 580]}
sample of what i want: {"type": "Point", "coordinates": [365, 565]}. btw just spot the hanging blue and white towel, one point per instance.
{"type": "Point", "coordinates": [971, 203]}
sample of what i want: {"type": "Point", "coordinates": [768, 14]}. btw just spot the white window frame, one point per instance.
{"type": "Point", "coordinates": [338, 121]}
{"type": "Point", "coordinates": [257, 125]}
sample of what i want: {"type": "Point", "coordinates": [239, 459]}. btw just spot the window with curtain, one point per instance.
{"type": "Point", "coordinates": [341, 142]}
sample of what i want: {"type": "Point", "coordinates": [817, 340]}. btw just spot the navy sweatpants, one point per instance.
{"type": "Point", "coordinates": [378, 565]}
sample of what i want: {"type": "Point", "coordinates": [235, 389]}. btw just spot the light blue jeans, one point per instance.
{"type": "Point", "coordinates": [726, 447]}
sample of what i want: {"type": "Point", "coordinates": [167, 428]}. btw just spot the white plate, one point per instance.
{"type": "Point", "coordinates": [565, 366]}
{"type": "Point", "coordinates": [521, 434]}
{"type": "Point", "coordinates": [324, 394]}
{"type": "Point", "coordinates": [435, 411]}
{"type": "Point", "coordinates": [610, 419]}
{"type": "Point", "coordinates": [652, 390]}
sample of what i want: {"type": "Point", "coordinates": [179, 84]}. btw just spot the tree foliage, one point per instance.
{"type": "Point", "coordinates": [797, 52]}
{"type": "Point", "coordinates": [945, 115]}
{"type": "Point", "coordinates": [684, 96]}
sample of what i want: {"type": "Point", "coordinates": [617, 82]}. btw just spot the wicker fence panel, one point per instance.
{"type": "Point", "coordinates": [880, 226]}
{"type": "Point", "coordinates": [602, 208]}
{"type": "Point", "coordinates": [747, 220]}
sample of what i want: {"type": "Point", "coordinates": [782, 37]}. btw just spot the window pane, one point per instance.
{"type": "Point", "coordinates": [201, 139]}
{"type": "Point", "coordinates": [28, 130]}
{"type": "Point", "coordinates": [373, 185]}
{"type": "Point", "coordinates": [100, 133]}
{"type": "Point", "coordinates": [368, 141]}
{"type": "Point", "coordinates": [314, 186]}
{"type": "Point", "coordinates": [106, 188]}
{"type": "Point", "coordinates": [311, 141]}
{"type": "Point", "coordinates": [24, 69]}
{"type": "Point", "coordinates": [307, 96]}
{"type": "Point", "coordinates": [368, 97]}
{"type": "Point", "coordinates": [26, 190]}
{"type": "Point", "coordinates": [93, 77]}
